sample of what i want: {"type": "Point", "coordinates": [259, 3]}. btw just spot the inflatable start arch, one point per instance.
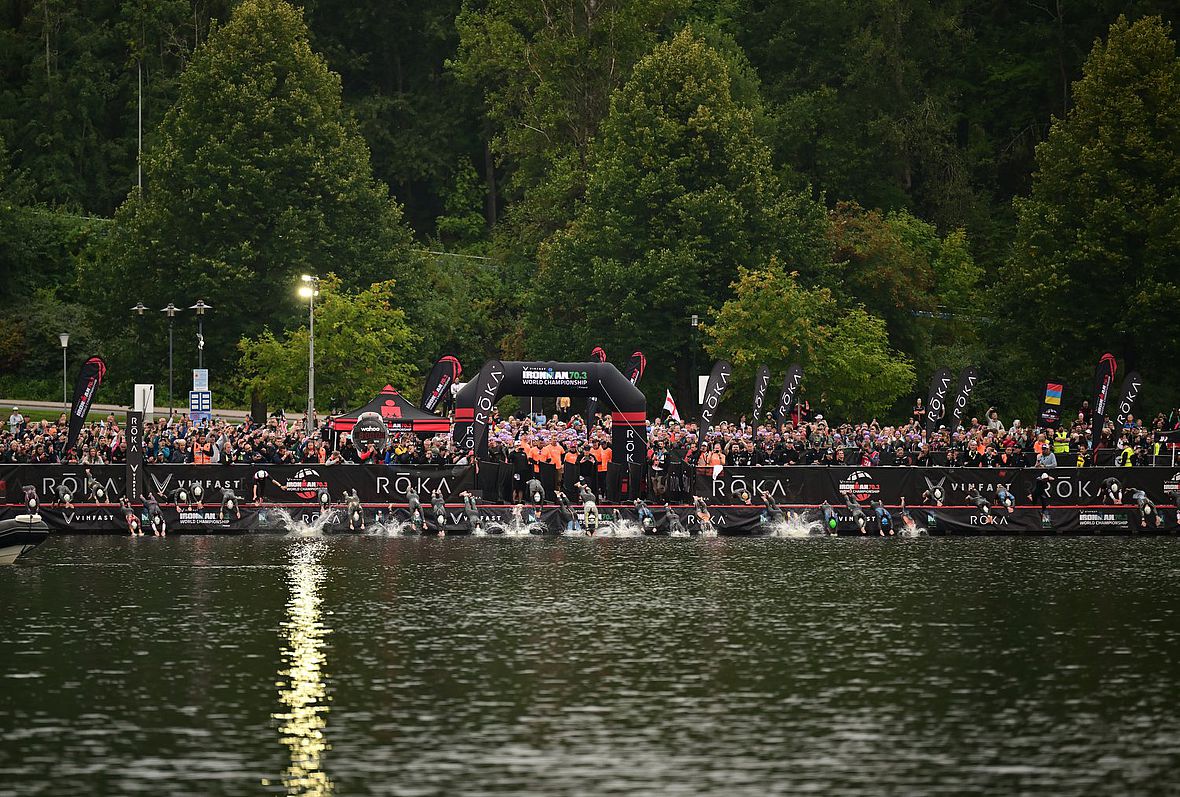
{"type": "Point", "coordinates": [474, 403]}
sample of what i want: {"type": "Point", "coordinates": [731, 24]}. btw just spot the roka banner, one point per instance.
{"type": "Point", "coordinates": [1131, 387]}
{"type": "Point", "coordinates": [714, 390]}
{"type": "Point", "coordinates": [437, 390]}
{"type": "Point", "coordinates": [940, 388]}
{"type": "Point", "coordinates": [487, 387]}
{"type": "Point", "coordinates": [790, 391]}
{"type": "Point", "coordinates": [761, 382]}
{"type": "Point", "coordinates": [967, 380]}
{"type": "Point", "coordinates": [1050, 412]}
{"type": "Point", "coordinates": [90, 376]}
{"type": "Point", "coordinates": [1103, 379]}
{"type": "Point", "coordinates": [134, 465]}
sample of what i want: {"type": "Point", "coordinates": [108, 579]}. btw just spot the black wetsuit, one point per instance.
{"type": "Point", "coordinates": [568, 516]}
{"type": "Point", "coordinates": [471, 508]}
{"type": "Point", "coordinates": [439, 507]}
{"type": "Point", "coordinates": [773, 513]}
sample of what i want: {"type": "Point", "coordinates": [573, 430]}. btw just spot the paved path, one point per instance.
{"type": "Point", "coordinates": [6, 406]}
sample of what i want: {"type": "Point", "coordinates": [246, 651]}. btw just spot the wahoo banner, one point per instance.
{"type": "Point", "coordinates": [1131, 386]}
{"type": "Point", "coordinates": [487, 387]}
{"type": "Point", "coordinates": [443, 376]}
{"type": "Point", "coordinates": [86, 385]}
{"type": "Point", "coordinates": [714, 390]}
{"type": "Point", "coordinates": [1103, 379]}
{"type": "Point", "coordinates": [940, 388]}
{"type": "Point", "coordinates": [790, 391]}
{"type": "Point", "coordinates": [1050, 414]}
{"type": "Point", "coordinates": [967, 380]}
{"type": "Point", "coordinates": [635, 368]}
{"type": "Point", "coordinates": [598, 356]}
{"type": "Point", "coordinates": [761, 382]}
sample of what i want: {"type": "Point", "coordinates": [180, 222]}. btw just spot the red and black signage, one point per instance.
{"type": "Point", "coordinates": [1103, 380]}
{"type": "Point", "coordinates": [598, 355]}
{"type": "Point", "coordinates": [635, 367]}
{"type": "Point", "coordinates": [85, 387]}
{"type": "Point", "coordinates": [437, 390]}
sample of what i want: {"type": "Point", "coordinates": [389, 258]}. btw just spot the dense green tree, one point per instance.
{"type": "Point", "coordinates": [925, 286]}
{"type": "Point", "coordinates": [547, 73]}
{"type": "Point", "coordinates": [362, 342]}
{"type": "Point", "coordinates": [421, 123]}
{"type": "Point", "coordinates": [256, 175]}
{"type": "Point", "coordinates": [849, 367]}
{"type": "Point", "coordinates": [1094, 259]}
{"type": "Point", "coordinates": [681, 194]}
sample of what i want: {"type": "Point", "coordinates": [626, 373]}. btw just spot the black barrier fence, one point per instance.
{"type": "Point", "coordinates": [728, 521]}
{"type": "Point", "coordinates": [498, 483]}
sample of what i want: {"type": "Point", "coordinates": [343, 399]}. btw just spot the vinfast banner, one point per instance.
{"type": "Point", "coordinates": [790, 391]}
{"type": "Point", "coordinates": [437, 390]}
{"type": "Point", "coordinates": [1050, 412]}
{"type": "Point", "coordinates": [813, 485]}
{"type": "Point", "coordinates": [940, 388]}
{"type": "Point", "coordinates": [1103, 379]}
{"type": "Point", "coordinates": [90, 376]}
{"type": "Point", "coordinates": [967, 380]}
{"type": "Point", "coordinates": [761, 382]}
{"type": "Point", "coordinates": [714, 390]}
{"type": "Point", "coordinates": [298, 483]}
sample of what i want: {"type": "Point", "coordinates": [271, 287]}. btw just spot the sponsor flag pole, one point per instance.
{"type": "Point", "coordinates": [940, 385]}
{"type": "Point", "coordinates": [598, 355]}
{"type": "Point", "coordinates": [761, 382]}
{"type": "Point", "coordinates": [967, 380]}
{"type": "Point", "coordinates": [1131, 387]}
{"type": "Point", "coordinates": [437, 390]}
{"type": "Point", "coordinates": [714, 390]}
{"type": "Point", "coordinates": [791, 383]}
{"type": "Point", "coordinates": [90, 376]}
{"type": "Point", "coordinates": [1103, 379]}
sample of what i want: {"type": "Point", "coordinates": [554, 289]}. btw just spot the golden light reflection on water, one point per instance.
{"type": "Point", "coordinates": [302, 690]}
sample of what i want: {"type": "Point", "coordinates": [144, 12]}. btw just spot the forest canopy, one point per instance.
{"type": "Point", "coordinates": [941, 183]}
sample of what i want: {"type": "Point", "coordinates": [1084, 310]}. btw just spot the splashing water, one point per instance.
{"type": "Point", "coordinates": [794, 526]}
{"type": "Point", "coordinates": [300, 528]}
{"type": "Point", "coordinates": [391, 528]}
{"type": "Point", "coordinates": [518, 528]}
{"type": "Point", "coordinates": [620, 528]}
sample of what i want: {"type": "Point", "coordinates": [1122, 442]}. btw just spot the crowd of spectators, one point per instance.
{"type": "Point", "coordinates": [564, 439]}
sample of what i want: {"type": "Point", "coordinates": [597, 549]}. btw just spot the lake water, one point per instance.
{"type": "Point", "coordinates": [367, 665]}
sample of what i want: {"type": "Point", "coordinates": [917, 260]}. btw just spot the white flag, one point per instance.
{"type": "Point", "coordinates": [670, 406]}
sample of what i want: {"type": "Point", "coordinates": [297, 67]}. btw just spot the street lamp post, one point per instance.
{"type": "Point", "coordinates": [65, 344]}
{"type": "Point", "coordinates": [694, 322]}
{"type": "Point", "coordinates": [171, 310]}
{"type": "Point", "coordinates": [139, 309]}
{"type": "Point", "coordinates": [309, 290]}
{"type": "Point", "coordinates": [201, 308]}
